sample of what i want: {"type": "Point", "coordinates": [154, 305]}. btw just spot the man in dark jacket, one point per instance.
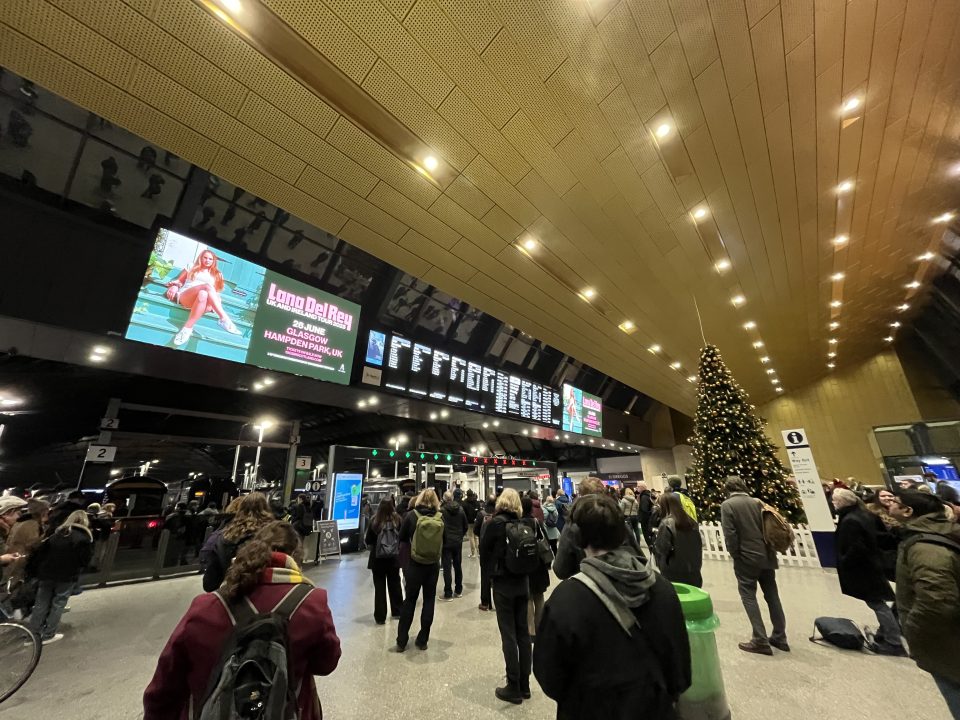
{"type": "Point", "coordinates": [454, 529]}
{"type": "Point", "coordinates": [570, 549]}
{"type": "Point", "coordinates": [484, 518]}
{"type": "Point", "coordinates": [860, 567]}
{"type": "Point", "coordinates": [645, 501]}
{"type": "Point", "coordinates": [753, 562]}
{"type": "Point", "coordinates": [612, 643]}
{"type": "Point", "coordinates": [928, 589]}
{"type": "Point", "coordinates": [471, 506]}
{"type": "Point", "coordinates": [562, 501]}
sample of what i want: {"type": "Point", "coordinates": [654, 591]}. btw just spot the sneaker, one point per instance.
{"type": "Point", "coordinates": [755, 647]}
{"type": "Point", "coordinates": [458, 595]}
{"type": "Point", "coordinates": [781, 645]}
{"type": "Point", "coordinates": [53, 639]}
{"type": "Point", "coordinates": [510, 694]}
{"type": "Point", "coordinates": [887, 649]}
{"type": "Point", "coordinates": [447, 598]}
{"type": "Point", "coordinates": [182, 336]}
{"type": "Point", "coordinates": [227, 324]}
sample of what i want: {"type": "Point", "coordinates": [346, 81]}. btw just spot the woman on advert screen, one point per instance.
{"type": "Point", "coordinates": [198, 289]}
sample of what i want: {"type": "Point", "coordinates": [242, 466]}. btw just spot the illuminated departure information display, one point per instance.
{"type": "Point", "coordinates": [424, 371]}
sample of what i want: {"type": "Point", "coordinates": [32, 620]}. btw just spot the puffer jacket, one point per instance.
{"type": "Point", "coordinates": [63, 555]}
{"type": "Point", "coordinates": [928, 595]}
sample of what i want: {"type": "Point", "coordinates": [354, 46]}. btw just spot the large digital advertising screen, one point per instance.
{"type": "Point", "coordinates": [209, 302]}
{"type": "Point", "coordinates": [582, 412]}
{"type": "Point", "coordinates": [346, 500]}
{"type": "Point", "coordinates": [424, 371]}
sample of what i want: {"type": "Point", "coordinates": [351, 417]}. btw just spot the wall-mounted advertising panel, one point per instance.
{"type": "Point", "coordinates": [428, 372]}
{"type": "Point", "coordinates": [206, 301]}
{"type": "Point", "coordinates": [582, 412]}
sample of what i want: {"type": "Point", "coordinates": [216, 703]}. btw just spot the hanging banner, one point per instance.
{"type": "Point", "coordinates": [819, 518]}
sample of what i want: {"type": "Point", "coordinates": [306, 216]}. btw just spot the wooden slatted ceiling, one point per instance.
{"type": "Point", "coordinates": [545, 110]}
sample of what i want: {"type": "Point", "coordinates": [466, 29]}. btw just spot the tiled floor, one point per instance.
{"type": "Point", "coordinates": [113, 636]}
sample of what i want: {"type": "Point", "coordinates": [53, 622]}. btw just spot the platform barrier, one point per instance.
{"type": "Point", "coordinates": [803, 553]}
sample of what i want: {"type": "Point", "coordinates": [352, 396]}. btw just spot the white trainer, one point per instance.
{"type": "Point", "coordinates": [55, 638]}
{"type": "Point", "coordinates": [182, 336]}
{"type": "Point", "coordinates": [227, 324]}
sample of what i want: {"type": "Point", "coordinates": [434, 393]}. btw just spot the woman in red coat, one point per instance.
{"type": "Point", "coordinates": [264, 571]}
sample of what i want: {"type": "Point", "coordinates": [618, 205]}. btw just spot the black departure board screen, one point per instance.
{"type": "Point", "coordinates": [429, 372]}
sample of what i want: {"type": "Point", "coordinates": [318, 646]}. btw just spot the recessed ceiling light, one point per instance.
{"type": "Point", "coordinates": [360, 403]}
{"type": "Point", "coordinates": [486, 425]}
{"type": "Point", "coordinates": [525, 432]}
{"type": "Point", "coordinates": [779, 389]}
{"type": "Point", "coordinates": [889, 338]}
{"type": "Point", "coordinates": [913, 285]}
{"type": "Point", "coordinates": [444, 413]}
{"type": "Point", "coordinates": [433, 416]}
{"type": "Point", "coordinates": [268, 381]}
{"type": "Point", "coordinates": [372, 400]}
{"type": "Point", "coordinates": [100, 350]}
{"type": "Point", "coordinates": [926, 256]}
{"type": "Point", "coordinates": [837, 277]}
{"type": "Point", "coordinates": [834, 325]}
{"type": "Point", "coordinates": [722, 265]}
{"type": "Point", "coordinates": [765, 359]}
{"type": "Point", "coordinates": [627, 326]}
{"type": "Point", "coordinates": [835, 303]}
{"type": "Point", "coordinates": [233, 6]}
{"type": "Point", "coordinates": [894, 324]}
{"type": "Point", "coordinates": [663, 130]}
{"type": "Point", "coordinates": [845, 187]}
{"type": "Point", "coordinates": [654, 349]}
{"type": "Point", "coordinates": [588, 293]}
{"type": "Point", "coordinates": [832, 341]}
{"type": "Point", "coordinates": [851, 104]}
{"type": "Point", "coordinates": [775, 381]}
{"type": "Point", "coordinates": [675, 365]}
{"type": "Point", "coordinates": [738, 300]}
{"type": "Point", "coordinates": [903, 308]}
{"type": "Point", "coordinates": [430, 163]}
{"type": "Point", "coordinates": [496, 423]}
{"type": "Point", "coordinates": [840, 240]}
{"type": "Point", "coordinates": [259, 386]}
{"type": "Point", "coordinates": [96, 358]}
{"type": "Point", "coordinates": [945, 218]}
{"type": "Point", "coordinates": [700, 213]}
{"type": "Point", "coordinates": [770, 371]}
{"type": "Point", "coordinates": [529, 244]}
{"type": "Point", "coordinates": [831, 365]}
{"type": "Point", "coordinates": [749, 325]}
{"type": "Point", "coordinates": [692, 378]}
{"type": "Point", "coordinates": [831, 354]}
{"type": "Point", "coordinates": [758, 344]}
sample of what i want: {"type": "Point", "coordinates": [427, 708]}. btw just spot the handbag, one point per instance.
{"type": "Point", "coordinates": [544, 551]}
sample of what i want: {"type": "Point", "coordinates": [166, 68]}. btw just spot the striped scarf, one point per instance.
{"type": "Point", "coordinates": [283, 570]}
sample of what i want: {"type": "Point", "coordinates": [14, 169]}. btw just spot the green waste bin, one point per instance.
{"type": "Point", "coordinates": [705, 699]}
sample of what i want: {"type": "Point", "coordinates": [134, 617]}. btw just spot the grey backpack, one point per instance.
{"type": "Point", "coordinates": [252, 680]}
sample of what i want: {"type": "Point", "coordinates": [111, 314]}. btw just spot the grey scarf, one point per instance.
{"type": "Point", "coordinates": [621, 580]}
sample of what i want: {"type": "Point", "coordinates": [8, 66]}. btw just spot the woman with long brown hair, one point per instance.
{"type": "Point", "coordinates": [265, 572]}
{"type": "Point", "coordinates": [253, 513]}
{"type": "Point", "coordinates": [198, 289]}
{"type": "Point", "coordinates": [678, 548]}
{"type": "Point", "coordinates": [383, 539]}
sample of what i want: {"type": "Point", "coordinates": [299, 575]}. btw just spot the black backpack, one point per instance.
{"type": "Point", "coordinates": [522, 553]}
{"type": "Point", "coordinates": [252, 681]}
{"type": "Point", "coordinates": [840, 632]}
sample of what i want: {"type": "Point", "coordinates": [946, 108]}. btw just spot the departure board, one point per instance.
{"type": "Point", "coordinates": [421, 370]}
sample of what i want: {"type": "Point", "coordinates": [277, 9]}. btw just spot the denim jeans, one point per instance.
{"type": "Point", "coordinates": [889, 632]}
{"type": "Point", "coordinates": [950, 690]}
{"type": "Point", "coordinates": [452, 558]}
{"type": "Point", "coordinates": [52, 598]}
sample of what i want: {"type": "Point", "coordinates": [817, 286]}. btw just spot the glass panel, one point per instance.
{"type": "Point", "coordinates": [894, 442]}
{"type": "Point", "coordinates": [118, 183]}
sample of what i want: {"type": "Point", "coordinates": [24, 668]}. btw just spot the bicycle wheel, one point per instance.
{"type": "Point", "coordinates": [19, 655]}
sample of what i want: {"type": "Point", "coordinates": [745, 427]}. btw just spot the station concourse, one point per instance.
{"type": "Point", "coordinates": [268, 269]}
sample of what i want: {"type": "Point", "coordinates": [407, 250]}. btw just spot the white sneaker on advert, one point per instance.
{"type": "Point", "coordinates": [182, 336]}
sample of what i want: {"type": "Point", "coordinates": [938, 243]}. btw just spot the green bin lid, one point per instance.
{"type": "Point", "coordinates": [696, 603]}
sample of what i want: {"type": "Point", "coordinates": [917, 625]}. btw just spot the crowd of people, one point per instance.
{"type": "Point", "coordinates": [613, 623]}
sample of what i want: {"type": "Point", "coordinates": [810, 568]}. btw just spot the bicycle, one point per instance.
{"type": "Point", "coordinates": [20, 652]}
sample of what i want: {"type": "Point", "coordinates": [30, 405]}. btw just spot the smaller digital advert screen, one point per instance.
{"type": "Point", "coordinates": [346, 500]}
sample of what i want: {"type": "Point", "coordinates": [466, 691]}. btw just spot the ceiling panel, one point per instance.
{"type": "Point", "coordinates": [546, 113]}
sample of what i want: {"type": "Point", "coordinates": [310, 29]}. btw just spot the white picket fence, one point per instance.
{"type": "Point", "coordinates": [803, 552]}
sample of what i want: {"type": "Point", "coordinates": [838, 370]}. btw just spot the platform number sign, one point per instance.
{"type": "Point", "coordinates": [101, 453]}
{"type": "Point", "coordinates": [110, 423]}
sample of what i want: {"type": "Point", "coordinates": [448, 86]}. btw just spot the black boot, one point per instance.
{"type": "Point", "coordinates": [509, 693]}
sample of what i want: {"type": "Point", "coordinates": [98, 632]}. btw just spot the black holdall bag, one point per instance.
{"type": "Point", "coordinates": [840, 632]}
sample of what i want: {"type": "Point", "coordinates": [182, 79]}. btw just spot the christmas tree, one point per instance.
{"type": "Point", "coordinates": [729, 440]}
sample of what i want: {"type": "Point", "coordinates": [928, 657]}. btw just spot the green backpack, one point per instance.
{"type": "Point", "coordinates": [427, 544]}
